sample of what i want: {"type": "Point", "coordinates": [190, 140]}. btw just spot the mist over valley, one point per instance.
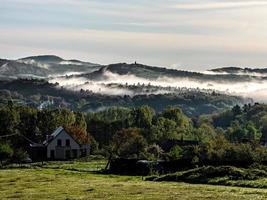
{"type": "Point", "coordinates": [133, 81]}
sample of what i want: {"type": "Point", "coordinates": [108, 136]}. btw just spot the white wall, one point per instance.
{"type": "Point", "coordinates": [63, 136]}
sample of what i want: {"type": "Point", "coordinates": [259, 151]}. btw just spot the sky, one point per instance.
{"type": "Point", "coordinates": [181, 34]}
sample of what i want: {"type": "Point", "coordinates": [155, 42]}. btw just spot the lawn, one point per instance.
{"type": "Point", "coordinates": [72, 181]}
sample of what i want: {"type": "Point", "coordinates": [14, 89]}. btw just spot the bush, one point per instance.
{"type": "Point", "coordinates": [176, 153]}
{"type": "Point", "coordinates": [5, 152]}
{"type": "Point", "coordinates": [204, 174]}
{"type": "Point", "coordinates": [20, 156]}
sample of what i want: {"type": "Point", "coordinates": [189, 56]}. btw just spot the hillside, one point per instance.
{"type": "Point", "coordinates": [42, 67]}
{"type": "Point", "coordinates": [87, 86]}
{"type": "Point", "coordinates": [238, 70]}
{"type": "Point", "coordinates": [41, 94]}
{"type": "Point", "coordinates": [153, 73]}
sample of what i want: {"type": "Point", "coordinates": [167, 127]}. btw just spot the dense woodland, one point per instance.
{"type": "Point", "coordinates": [41, 94]}
{"type": "Point", "coordinates": [233, 136]}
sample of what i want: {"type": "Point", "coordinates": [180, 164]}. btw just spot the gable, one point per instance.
{"type": "Point", "coordinates": [63, 136]}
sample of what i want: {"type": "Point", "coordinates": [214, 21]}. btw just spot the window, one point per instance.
{"type": "Point", "coordinates": [67, 142]}
{"type": "Point", "coordinates": [59, 143]}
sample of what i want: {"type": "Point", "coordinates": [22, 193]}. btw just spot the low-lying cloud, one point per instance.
{"type": "Point", "coordinates": [112, 85]}
{"type": "Point", "coordinates": [33, 62]}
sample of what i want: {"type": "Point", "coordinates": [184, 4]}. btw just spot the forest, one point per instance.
{"type": "Point", "coordinates": [235, 136]}
{"type": "Point", "coordinates": [42, 94]}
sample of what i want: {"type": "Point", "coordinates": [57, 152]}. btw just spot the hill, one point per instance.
{"type": "Point", "coordinates": [87, 86]}
{"type": "Point", "coordinates": [238, 70]}
{"type": "Point", "coordinates": [43, 67]}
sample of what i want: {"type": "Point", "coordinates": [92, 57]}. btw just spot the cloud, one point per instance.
{"type": "Point", "coordinates": [219, 5]}
{"type": "Point", "coordinates": [33, 62]}
{"type": "Point", "coordinates": [160, 49]}
{"type": "Point", "coordinates": [151, 32]}
{"type": "Point", "coordinates": [255, 89]}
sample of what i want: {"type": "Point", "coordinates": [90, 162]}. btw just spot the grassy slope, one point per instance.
{"type": "Point", "coordinates": [59, 181]}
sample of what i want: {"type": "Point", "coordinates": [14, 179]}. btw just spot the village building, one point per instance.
{"type": "Point", "coordinates": [60, 145]}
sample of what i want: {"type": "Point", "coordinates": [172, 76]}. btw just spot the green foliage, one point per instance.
{"type": "Point", "coordinates": [128, 143]}
{"type": "Point", "coordinates": [164, 129]}
{"type": "Point", "coordinates": [5, 151]}
{"type": "Point", "coordinates": [9, 120]}
{"type": "Point", "coordinates": [205, 174]}
{"type": "Point", "coordinates": [154, 152]}
{"type": "Point", "coordinates": [142, 117]}
{"type": "Point", "coordinates": [110, 114]}
{"type": "Point", "coordinates": [233, 135]}
{"type": "Point", "coordinates": [19, 156]}
{"type": "Point", "coordinates": [176, 153]}
{"type": "Point", "coordinates": [176, 114]}
{"type": "Point", "coordinates": [205, 133]}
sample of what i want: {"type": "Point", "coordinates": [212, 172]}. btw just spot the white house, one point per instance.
{"type": "Point", "coordinates": [60, 145]}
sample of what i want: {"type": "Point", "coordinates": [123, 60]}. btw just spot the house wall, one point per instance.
{"type": "Point", "coordinates": [60, 152]}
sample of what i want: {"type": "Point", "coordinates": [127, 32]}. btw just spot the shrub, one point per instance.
{"type": "Point", "coordinates": [20, 156]}
{"type": "Point", "coordinates": [5, 152]}
{"type": "Point", "coordinates": [204, 174]}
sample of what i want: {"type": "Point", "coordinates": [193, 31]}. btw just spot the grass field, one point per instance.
{"type": "Point", "coordinates": [76, 181]}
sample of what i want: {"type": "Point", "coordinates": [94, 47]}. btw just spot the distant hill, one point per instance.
{"type": "Point", "coordinates": [153, 73]}
{"type": "Point", "coordinates": [44, 58]}
{"type": "Point", "coordinates": [238, 70]}
{"type": "Point", "coordinates": [37, 93]}
{"type": "Point", "coordinates": [43, 66]}
{"type": "Point", "coordinates": [86, 86]}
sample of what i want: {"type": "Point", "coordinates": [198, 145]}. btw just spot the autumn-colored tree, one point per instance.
{"type": "Point", "coordinates": [79, 134]}
{"type": "Point", "coordinates": [128, 143]}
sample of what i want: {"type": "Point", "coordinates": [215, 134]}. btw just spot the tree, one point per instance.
{"type": "Point", "coordinates": [79, 134]}
{"type": "Point", "coordinates": [9, 120]}
{"type": "Point", "coordinates": [176, 153]}
{"type": "Point", "coordinates": [49, 120]}
{"type": "Point", "coordinates": [236, 110]}
{"type": "Point", "coordinates": [216, 149]}
{"type": "Point", "coordinates": [253, 133]}
{"type": "Point", "coordinates": [128, 143]}
{"type": "Point", "coordinates": [142, 117]}
{"type": "Point", "coordinates": [176, 114]}
{"type": "Point", "coordinates": [163, 130]}
{"type": "Point", "coordinates": [154, 151]}
{"type": "Point", "coordinates": [204, 133]}
{"type": "Point", "coordinates": [19, 155]}
{"type": "Point", "coordinates": [28, 127]}
{"type": "Point", "coordinates": [80, 120]}
{"type": "Point", "coordinates": [183, 123]}
{"type": "Point", "coordinates": [5, 152]}
{"type": "Point", "coordinates": [236, 133]}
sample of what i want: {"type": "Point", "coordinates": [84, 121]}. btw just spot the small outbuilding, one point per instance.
{"type": "Point", "coordinates": [60, 145]}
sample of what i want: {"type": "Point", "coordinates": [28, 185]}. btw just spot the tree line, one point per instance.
{"type": "Point", "coordinates": [234, 135]}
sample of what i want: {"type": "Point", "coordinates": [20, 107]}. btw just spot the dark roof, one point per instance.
{"type": "Point", "coordinates": [53, 135]}
{"type": "Point", "coordinates": [56, 133]}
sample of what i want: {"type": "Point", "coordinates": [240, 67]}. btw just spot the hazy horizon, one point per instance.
{"type": "Point", "coordinates": [188, 35]}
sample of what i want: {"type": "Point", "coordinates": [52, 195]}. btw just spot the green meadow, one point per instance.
{"type": "Point", "coordinates": [79, 180]}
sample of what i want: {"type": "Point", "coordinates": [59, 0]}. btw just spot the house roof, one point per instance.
{"type": "Point", "coordinates": [56, 133]}
{"type": "Point", "coordinates": [53, 135]}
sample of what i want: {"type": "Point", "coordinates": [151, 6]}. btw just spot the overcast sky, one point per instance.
{"type": "Point", "coordinates": [183, 34]}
